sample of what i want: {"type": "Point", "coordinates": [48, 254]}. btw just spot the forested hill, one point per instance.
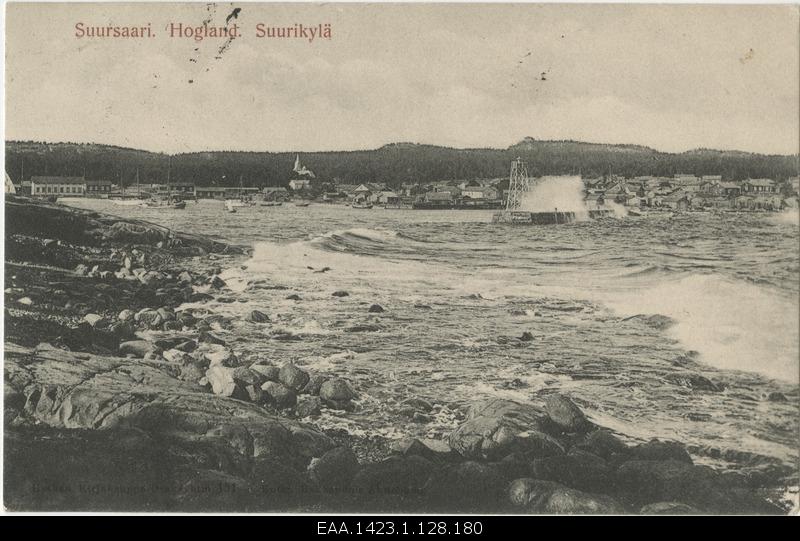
{"type": "Point", "coordinates": [393, 164]}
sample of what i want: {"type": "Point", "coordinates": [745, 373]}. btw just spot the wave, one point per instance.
{"type": "Point", "coordinates": [733, 324]}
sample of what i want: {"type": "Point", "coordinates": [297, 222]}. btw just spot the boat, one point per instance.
{"type": "Point", "coordinates": [301, 204]}
{"type": "Point", "coordinates": [271, 203]}
{"type": "Point", "coordinates": [361, 205]}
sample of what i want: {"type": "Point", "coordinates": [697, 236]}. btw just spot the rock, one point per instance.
{"type": "Point", "coordinates": [222, 382]}
{"type": "Point", "coordinates": [694, 382]}
{"type": "Point", "coordinates": [293, 297]}
{"type": "Point", "coordinates": [94, 319]}
{"type": "Point", "coordinates": [278, 395]}
{"type": "Point", "coordinates": [392, 482]}
{"type": "Point", "coordinates": [496, 428]}
{"type": "Point", "coordinates": [176, 356]}
{"type": "Point", "coordinates": [465, 487]}
{"type": "Point", "coordinates": [335, 469]}
{"type": "Point", "coordinates": [27, 301]}
{"type": "Point", "coordinates": [417, 404]}
{"type": "Point", "coordinates": [776, 397]}
{"type": "Point", "coordinates": [125, 315]}
{"type": "Point", "coordinates": [217, 282]}
{"type": "Point", "coordinates": [537, 496]}
{"type": "Point", "coordinates": [186, 346]}
{"type": "Point", "coordinates": [314, 384]}
{"type": "Point", "coordinates": [210, 338]}
{"type": "Point", "coordinates": [137, 348]}
{"type": "Point", "coordinates": [564, 413]}
{"type": "Point", "coordinates": [604, 444]}
{"type": "Point", "coordinates": [376, 309]}
{"type": "Point", "coordinates": [412, 446]}
{"type": "Point", "coordinates": [293, 377]}
{"type": "Point", "coordinates": [526, 337]}
{"type": "Point", "coordinates": [363, 328]}
{"type": "Point", "coordinates": [81, 270]}
{"type": "Point", "coordinates": [166, 314]}
{"type": "Point", "coordinates": [185, 277]}
{"type": "Point", "coordinates": [577, 469]}
{"type": "Point", "coordinates": [661, 450]}
{"type": "Point", "coordinates": [220, 356]}
{"type": "Point", "coordinates": [340, 294]}
{"type": "Point", "coordinates": [268, 372]}
{"type": "Point", "coordinates": [309, 406]}
{"type": "Point", "coordinates": [668, 508]}
{"type": "Point", "coordinates": [336, 393]}
{"type": "Point", "coordinates": [148, 318]}
{"type": "Point", "coordinates": [257, 317]}
{"type": "Point", "coordinates": [421, 418]}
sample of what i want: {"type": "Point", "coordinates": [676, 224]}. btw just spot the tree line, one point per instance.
{"type": "Point", "coordinates": [393, 164]}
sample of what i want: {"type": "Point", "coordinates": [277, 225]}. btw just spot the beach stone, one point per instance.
{"type": "Point", "coordinates": [392, 481]}
{"type": "Point", "coordinates": [539, 496]}
{"type": "Point", "coordinates": [564, 413]}
{"type": "Point", "coordinates": [661, 450]}
{"type": "Point", "coordinates": [376, 309]}
{"type": "Point", "coordinates": [185, 277]}
{"type": "Point", "coordinates": [221, 380]}
{"type": "Point", "coordinates": [257, 317]}
{"type": "Point", "coordinates": [668, 508]}
{"type": "Point", "coordinates": [217, 282]}
{"type": "Point", "coordinates": [314, 384]}
{"type": "Point", "coordinates": [211, 338]}
{"type": "Point", "coordinates": [604, 444]}
{"type": "Point", "coordinates": [293, 377]}
{"type": "Point", "coordinates": [94, 319]}
{"type": "Point", "coordinates": [308, 406]}
{"type": "Point", "coordinates": [125, 315]}
{"type": "Point", "coordinates": [269, 372]}
{"type": "Point", "coordinates": [495, 428]}
{"type": "Point", "coordinates": [336, 393]}
{"type": "Point", "coordinates": [279, 395]}
{"type": "Point", "coordinates": [577, 469]}
{"type": "Point", "coordinates": [466, 487]}
{"type": "Point", "coordinates": [149, 318]}
{"type": "Point", "coordinates": [137, 348]}
{"type": "Point", "coordinates": [335, 469]}
{"type": "Point", "coordinates": [340, 294]}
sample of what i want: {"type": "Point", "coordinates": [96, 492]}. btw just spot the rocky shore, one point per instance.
{"type": "Point", "coordinates": [120, 397]}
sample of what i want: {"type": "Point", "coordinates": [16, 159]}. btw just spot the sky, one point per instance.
{"type": "Point", "coordinates": [670, 77]}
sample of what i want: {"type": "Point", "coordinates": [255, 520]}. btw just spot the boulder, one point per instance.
{"type": "Point", "coordinates": [293, 297]}
{"type": "Point", "coordinates": [496, 428]}
{"type": "Point", "coordinates": [185, 277]}
{"type": "Point", "coordinates": [661, 450]}
{"type": "Point", "coordinates": [537, 496]}
{"type": "Point", "coordinates": [577, 469]}
{"type": "Point", "coordinates": [137, 348]}
{"type": "Point", "coordinates": [564, 413]}
{"type": "Point", "coordinates": [336, 393]}
{"type": "Point", "coordinates": [668, 508]}
{"type": "Point", "coordinates": [293, 377]}
{"type": "Point", "coordinates": [314, 384]}
{"type": "Point", "coordinates": [605, 445]}
{"type": "Point", "coordinates": [94, 320]}
{"type": "Point", "coordinates": [309, 406]}
{"type": "Point", "coordinates": [376, 309]}
{"type": "Point", "coordinates": [217, 282]}
{"type": "Point", "coordinates": [393, 483]}
{"type": "Point", "coordinates": [335, 469]}
{"type": "Point", "coordinates": [694, 381]}
{"type": "Point", "coordinates": [222, 382]}
{"type": "Point", "coordinates": [340, 294]}
{"type": "Point", "coordinates": [465, 487]}
{"type": "Point", "coordinates": [279, 395]}
{"type": "Point", "coordinates": [125, 315]}
{"type": "Point", "coordinates": [268, 372]}
{"type": "Point", "coordinates": [256, 316]}
{"type": "Point", "coordinates": [210, 338]}
{"type": "Point", "coordinates": [148, 318]}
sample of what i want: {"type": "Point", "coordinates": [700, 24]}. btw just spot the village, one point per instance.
{"type": "Point", "coordinates": [679, 192]}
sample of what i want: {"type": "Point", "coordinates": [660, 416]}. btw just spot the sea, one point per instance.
{"type": "Point", "coordinates": [618, 313]}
